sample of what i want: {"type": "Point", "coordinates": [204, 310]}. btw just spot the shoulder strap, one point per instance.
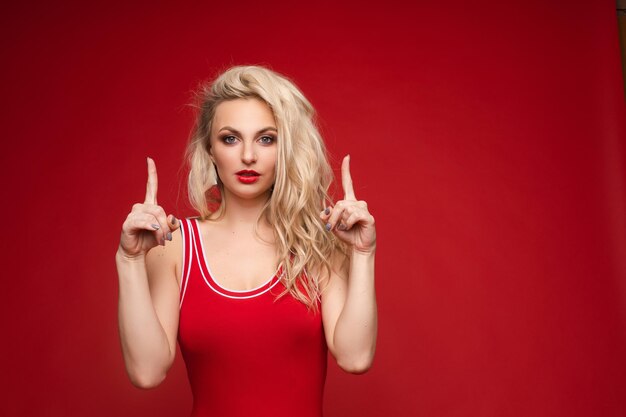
{"type": "Point", "coordinates": [186, 232]}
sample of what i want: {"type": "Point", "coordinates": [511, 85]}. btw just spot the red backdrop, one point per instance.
{"type": "Point", "coordinates": [487, 137]}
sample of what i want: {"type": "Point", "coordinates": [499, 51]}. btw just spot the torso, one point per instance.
{"type": "Point", "coordinates": [239, 258]}
{"type": "Point", "coordinates": [247, 352]}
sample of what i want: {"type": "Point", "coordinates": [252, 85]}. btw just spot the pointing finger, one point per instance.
{"type": "Point", "coordinates": [346, 179]}
{"type": "Point", "coordinates": [151, 187]}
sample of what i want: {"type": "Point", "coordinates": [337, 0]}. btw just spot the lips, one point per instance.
{"type": "Point", "coordinates": [247, 173]}
{"type": "Point", "coordinates": [247, 176]}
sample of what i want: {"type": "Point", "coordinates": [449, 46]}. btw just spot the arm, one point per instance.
{"type": "Point", "coordinates": [349, 314]}
{"type": "Point", "coordinates": [349, 308]}
{"type": "Point", "coordinates": [148, 290]}
{"type": "Point", "coordinates": [148, 313]}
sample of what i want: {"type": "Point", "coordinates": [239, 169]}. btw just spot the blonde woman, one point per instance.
{"type": "Point", "coordinates": [268, 277]}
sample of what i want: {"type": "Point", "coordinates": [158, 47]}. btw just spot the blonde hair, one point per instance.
{"type": "Point", "coordinates": [303, 175]}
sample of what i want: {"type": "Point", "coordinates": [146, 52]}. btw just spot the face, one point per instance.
{"type": "Point", "coordinates": [243, 148]}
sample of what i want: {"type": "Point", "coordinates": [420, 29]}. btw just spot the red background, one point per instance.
{"type": "Point", "coordinates": [487, 138]}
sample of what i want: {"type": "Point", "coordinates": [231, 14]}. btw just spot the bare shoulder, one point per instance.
{"type": "Point", "coordinates": [339, 269]}
{"type": "Point", "coordinates": [165, 261]}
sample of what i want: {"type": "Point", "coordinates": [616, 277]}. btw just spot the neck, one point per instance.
{"type": "Point", "coordinates": [243, 212]}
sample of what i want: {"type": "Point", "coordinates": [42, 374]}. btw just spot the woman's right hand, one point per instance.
{"type": "Point", "coordinates": [147, 225]}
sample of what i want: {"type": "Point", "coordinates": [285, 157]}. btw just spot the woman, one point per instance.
{"type": "Point", "coordinates": [252, 345]}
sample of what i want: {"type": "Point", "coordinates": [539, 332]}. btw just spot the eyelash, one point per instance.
{"type": "Point", "coordinates": [227, 139]}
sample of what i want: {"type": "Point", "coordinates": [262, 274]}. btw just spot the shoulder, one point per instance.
{"type": "Point", "coordinates": [162, 261]}
{"type": "Point", "coordinates": [339, 267]}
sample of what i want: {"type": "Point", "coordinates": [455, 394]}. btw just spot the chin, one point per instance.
{"type": "Point", "coordinates": [250, 194]}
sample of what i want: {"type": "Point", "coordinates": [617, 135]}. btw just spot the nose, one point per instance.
{"type": "Point", "coordinates": [248, 153]}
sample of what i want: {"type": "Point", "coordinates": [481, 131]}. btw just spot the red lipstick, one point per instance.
{"type": "Point", "coordinates": [247, 176]}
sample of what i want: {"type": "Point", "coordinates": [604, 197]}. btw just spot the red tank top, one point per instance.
{"type": "Point", "coordinates": [247, 353]}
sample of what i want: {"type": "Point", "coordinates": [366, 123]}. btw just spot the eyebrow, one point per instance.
{"type": "Point", "coordinates": [232, 129]}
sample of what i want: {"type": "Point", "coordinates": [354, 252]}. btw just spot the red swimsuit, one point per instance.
{"type": "Point", "coordinates": [247, 354]}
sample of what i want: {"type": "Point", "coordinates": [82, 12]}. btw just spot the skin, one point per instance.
{"type": "Point", "coordinates": [349, 311]}
{"type": "Point", "coordinates": [243, 136]}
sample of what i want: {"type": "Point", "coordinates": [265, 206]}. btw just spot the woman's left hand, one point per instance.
{"type": "Point", "coordinates": [349, 219]}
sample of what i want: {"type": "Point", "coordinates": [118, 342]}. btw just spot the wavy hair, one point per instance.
{"type": "Point", "coordinates": [303, 175]}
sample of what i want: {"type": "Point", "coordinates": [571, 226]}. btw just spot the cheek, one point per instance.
{"type": "Point", "coordinates": [268, 156]}
{"type": "Point", "coordinates": [273, 162]}
{"type": "Point", "coordinates": [222, 158]}
{"type": "Point", "coordinates": [274, 154]}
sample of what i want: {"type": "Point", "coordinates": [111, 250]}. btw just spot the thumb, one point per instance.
{"type": "Point", "coordinates": [173, 222]}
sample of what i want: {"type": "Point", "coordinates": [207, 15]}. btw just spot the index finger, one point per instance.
{"type": "Point", "coordinates": [346, 179]}
{"type": "Point", "coordinates": [151, 187]}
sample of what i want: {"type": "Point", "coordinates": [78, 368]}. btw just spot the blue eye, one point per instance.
{"type": "Point", "coordinates": [229, 139]}
{"type": "Point", "coordinates": [266, 140]}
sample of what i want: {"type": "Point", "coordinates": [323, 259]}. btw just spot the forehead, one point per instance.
{"type": "Point", "coordinates": [243, 114]}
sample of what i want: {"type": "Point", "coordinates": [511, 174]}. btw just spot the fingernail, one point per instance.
{"type": "Point", "coordinates": [341, 227]}
{"type": "Point", "coordinates": [328, 226]}
{"type": "Point", "coordinates": [327, 211]}
{"type": "Point", "coordinates": [155, 226]}
{"type": "Point", "coordinates": [169, 236]}
{"type": "Point", "coordinates": [173, 220]}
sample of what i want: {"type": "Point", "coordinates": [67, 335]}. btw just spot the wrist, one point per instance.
{"type": "Point", "coordinates": [122, 257]}
{"type": "Point", "coordinates": [364, 252]}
